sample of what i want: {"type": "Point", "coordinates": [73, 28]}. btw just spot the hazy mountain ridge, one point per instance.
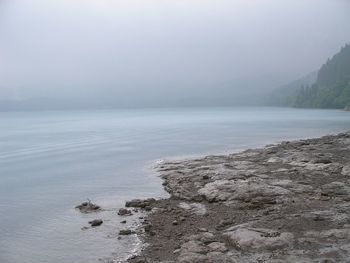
{"type": "Point", "coordinates": [330, 90]}
{"type": "Point", "coordinates": [244, 91]}
{"type": "Point", "coordinates": [284, 95]}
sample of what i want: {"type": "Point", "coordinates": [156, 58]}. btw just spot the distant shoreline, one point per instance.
{"type": "Point", "coordinates": [266, 204]}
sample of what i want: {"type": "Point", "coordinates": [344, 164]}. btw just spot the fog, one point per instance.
{"type": "Point", "coordinates": [131, 53]}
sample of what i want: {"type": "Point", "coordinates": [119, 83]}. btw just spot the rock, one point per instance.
{"type": "Point", "coordinates": [147, 228]}
{"type": "Point", "coordinates": [319, 218]}
{"type": "Point", "coordinates": [137, 259]}
{"type": "Point", "coordinates": [96, 222]}
{"type": "Point", "coordinates": [331, 234]}
{"type": "Point", "coordinates": [217, 246]}
{"type": "Point", "coordinates": [125, 232]}
{"type": "Point", "coordinates": [255, 239]}
{"type": "Point", "coordinates": [192, 258]}
{"type": "Point", "coordinates": [216, 256]}
{"type": "Point", "coordinates": [203, 237]}
{"type": "Point", "coordinates": [148, 208]}
{"type": "Point", "coordinates": [195, 208]}
{"type": "Point", "coordinates": [241, 190]}
{"type": "Point", "coordinates": [262, 205]}
{"type": "Point", "coordinates": [123, 222]}
{"type": "Point", "coordinates": [323, 161]}
{"type": "Point", "coordinates": [87, 207]}
{"type": "Point", "coordinates": [140, 203]}
{"type": "Point", "coordinates": [224, 223]}
{"type": "Point", "coordinates": [335, 189]}
{"type": "Point", "coordinates": [346, 170]}
{"type": "Point", "coordinates": [123, 212]}
{"type": "Point", "coordinates": [193, 247]}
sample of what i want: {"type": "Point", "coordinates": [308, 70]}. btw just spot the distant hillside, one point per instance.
{"type": "Point", "coordinates": [330, 90]}
{"type": "Point", "coordinates": [285, 95]}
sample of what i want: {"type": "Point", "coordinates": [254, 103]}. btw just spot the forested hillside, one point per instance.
{"type": "Point", "coordinates": [285, 95]}
{"type": "Point", "coordinates": [331, 89]}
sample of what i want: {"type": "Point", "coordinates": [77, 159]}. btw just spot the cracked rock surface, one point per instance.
{"type": "Point", "coordinates": [283, 203]}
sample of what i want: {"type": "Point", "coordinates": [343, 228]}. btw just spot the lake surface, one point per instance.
{"type": "Point", "coordinates": [52, 161]}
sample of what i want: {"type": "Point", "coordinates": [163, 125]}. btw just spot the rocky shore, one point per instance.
{"type": "Point", "coordinates": [284, 203]}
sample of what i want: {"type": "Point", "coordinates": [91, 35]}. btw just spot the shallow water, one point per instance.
{"type": "Point", "coordinates": [51, 161]}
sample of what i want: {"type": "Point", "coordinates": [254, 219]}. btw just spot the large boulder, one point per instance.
{"type": "Point", "coordinates": [258, 239]}
{"type": "Point", "coordinates": [242, 190]}
{"type": "Point", "coordinates": [124, 212]}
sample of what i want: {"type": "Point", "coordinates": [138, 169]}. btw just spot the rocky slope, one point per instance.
{"type": "Point", "coordinates": [284, 203]}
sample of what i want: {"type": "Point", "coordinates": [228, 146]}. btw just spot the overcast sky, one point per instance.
{"type": "Point", "coordinates": [96, 48]}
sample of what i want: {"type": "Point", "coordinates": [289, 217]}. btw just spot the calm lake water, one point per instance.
{"type": "Point", "coordinates": [52, 161]}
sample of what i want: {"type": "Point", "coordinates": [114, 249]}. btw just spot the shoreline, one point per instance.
{"type": "Point", "coordinates": [281, 203]}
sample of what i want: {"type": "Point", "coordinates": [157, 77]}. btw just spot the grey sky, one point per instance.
{"type": "Point", "coordinates": [138, 48]}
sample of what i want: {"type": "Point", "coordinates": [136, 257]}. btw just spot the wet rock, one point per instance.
{"type": "Point", "coordinates": [147, 228]}
{"type": "Point", "coordinates": [148, 208]}
{"type": "Point", "coordinates": [87, 207]}
{"type": "Point", "coordinates": [125, 232]}
{"type": "Point", "coordinates": [140, 203]}
{"type": "Point", "coordinates": [96, 222]}
{"type": "Point", "coordinates": [123, 212]}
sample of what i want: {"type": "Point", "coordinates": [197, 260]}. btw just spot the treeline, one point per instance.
{"type": "Point", "coordinates": [331, 88]}
{"type": "Point", "coordinates": [333, 96]}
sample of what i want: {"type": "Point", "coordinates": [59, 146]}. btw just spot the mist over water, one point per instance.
{"type": "Point", "coordinates": [51, 161]}
{"type": "Point", "coordinates": [63, 54]}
